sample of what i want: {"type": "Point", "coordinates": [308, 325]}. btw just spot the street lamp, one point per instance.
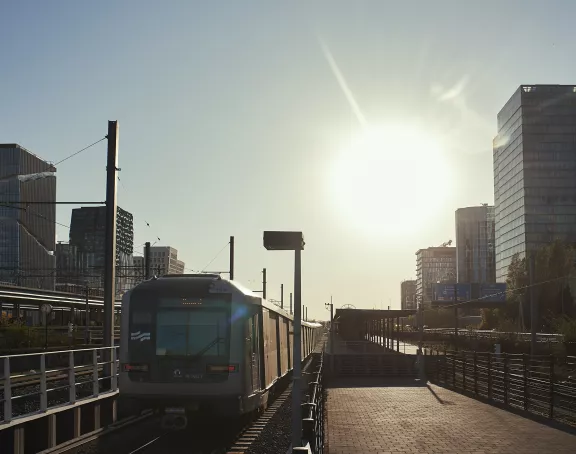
{"type": "Point", "coordinates": [331, 338]}
{"type": "Point", "coordinates": [293, 241]}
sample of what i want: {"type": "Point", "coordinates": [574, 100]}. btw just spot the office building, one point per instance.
{"type": "Point", "coordinates": [87, 235]}
{"type": "Point", "coordinates": [164, 260]}
{"type": "Point", "coordinates": [475, 258]}
{"type": "Point", "coordinates": [434, 264]}
{"type": "Point", "coordinates": [534, 171]}
{"type": "Point", "coordinates": [27, 228]}
{"type": "Point", "coordinates": [408, 295]}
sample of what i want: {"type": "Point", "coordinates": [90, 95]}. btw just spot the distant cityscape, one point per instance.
{"type": "Point", "coordinates": [29, 254]}
{"type": "Point", "coordinates": [534, 193]}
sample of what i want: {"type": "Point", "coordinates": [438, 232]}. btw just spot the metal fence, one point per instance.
{"type": "Point", "coordinates": [313, 412]}
{"type": "Point", "coordinates": [45, 386]}
{"type": "Point", "coordinates": [543, 385]}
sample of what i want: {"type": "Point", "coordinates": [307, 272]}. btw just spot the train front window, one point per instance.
{"type": "Point", "coordinates": [193, 333]}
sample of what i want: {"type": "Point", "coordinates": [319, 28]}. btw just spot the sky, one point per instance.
{"type": "Point", "coordinates": [364, 124]}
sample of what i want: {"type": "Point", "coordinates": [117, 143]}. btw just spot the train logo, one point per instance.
{"type": "Point", "coordinates": [140, 336]}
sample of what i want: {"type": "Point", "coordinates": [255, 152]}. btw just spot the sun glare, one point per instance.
{"type": "Point", "coordinates": [390, 180]}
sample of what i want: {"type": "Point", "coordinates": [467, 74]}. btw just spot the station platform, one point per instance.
{"type": "Point", "coordinates": [376, 415]}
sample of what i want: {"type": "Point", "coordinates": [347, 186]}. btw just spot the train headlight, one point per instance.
{"type": "Point", "coordinates": [222, 368]}
{"type": "Point", "coordinates": [134, 367]}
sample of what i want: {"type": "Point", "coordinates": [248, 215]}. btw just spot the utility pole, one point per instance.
{"type": "Point", "coordinates": [147, 260]}
{"type": "Point", "coordinates": [231, 258]}
{"type": "Point", "coordinates": [331, 333]}
{"type": "Point", "coordinates": [264, 283]}
{"type": "Point", "coordinates": [281, 296]}
{"type": "Point", "coordinates": [291, 312]}
{"type": "Point", "coordinates": [110, 240]}
{"type": "Point", "coordinates": [456, 315]}
{"type": "Point", "coordinates": [533, 308]}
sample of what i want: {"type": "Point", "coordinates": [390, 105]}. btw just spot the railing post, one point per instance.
{"type": "Point", "coordinates": [114, 370]}
{"type": "Point", "coordinates": [464, 371]}
{"type": "Point", "coordinates": [505, 378]}
{"type": "Point", "coordinates": [525, 380]}
{"type": "Point", "coordinates": [7, 391]}
{"type": "Point", "coordinates": [71, 378]}
{"type": "Point", "coordinates": [489, 375]}
{"type": "Point", "coordinates": [551, 410]}
{"type": "Point", "coordinates": [454, 371]}
{"type": "Point", "coordinates": [43, 384]}
{"type": "Point", "coordinates": [95, 382]}
{"type": "Point", "coordinates": [475, 373]}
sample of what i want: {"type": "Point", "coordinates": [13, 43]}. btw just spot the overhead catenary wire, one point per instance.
{"type": "Point", "coordinates": [216, 256]}
{"type": "Point", "coordinates": [79, 151]}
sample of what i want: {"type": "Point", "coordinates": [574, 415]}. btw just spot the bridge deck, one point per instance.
{"type": "Point", "coordinates": [375, 415]}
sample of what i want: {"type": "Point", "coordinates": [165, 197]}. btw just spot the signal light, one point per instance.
{"type": "Point", "coordinates": [222, 368]}
{"type": "Point", "coordinates": [135, 367]}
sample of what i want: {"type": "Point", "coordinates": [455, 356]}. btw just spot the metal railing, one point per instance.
{"type": "Point", "coordinates": [27, 393]}
{"type": "Point", "coordinates": [542, 385]}
{"type": "Point", "coordinates": [313, 412]}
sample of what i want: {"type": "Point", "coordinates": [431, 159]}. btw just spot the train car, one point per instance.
{"type": "Point", "coordinates": [200, 344]}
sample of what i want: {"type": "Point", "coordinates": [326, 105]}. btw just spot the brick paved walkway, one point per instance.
{"type": "Point", "coordinates": [366, 419]}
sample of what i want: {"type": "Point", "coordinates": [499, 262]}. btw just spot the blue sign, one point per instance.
{"type": "Point", "coordinates": [450, 293]}
{"type": "Point", "coordinates": [492, 293]}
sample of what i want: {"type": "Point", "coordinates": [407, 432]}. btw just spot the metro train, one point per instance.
{"type": "Point", "coordinates": [198, 344]}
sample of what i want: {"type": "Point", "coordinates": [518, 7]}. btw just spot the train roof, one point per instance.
{"type": "Point", "coordinates": [214, 283]}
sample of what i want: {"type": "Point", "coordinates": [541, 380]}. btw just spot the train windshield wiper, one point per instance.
{"type": "Point", "coordinates": [208, 347]}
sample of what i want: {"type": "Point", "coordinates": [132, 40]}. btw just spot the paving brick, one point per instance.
{"type": "Point", "coordinates": [364, 417]}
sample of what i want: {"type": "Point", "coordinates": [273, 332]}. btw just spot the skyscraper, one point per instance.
{"type": "Point", "coordinates": [408, 295]}
{"type": "Point", "coordinates": [475, 260]}
{"type": "Point", "coordinates": [534, 171]}
{"type": "Point", "coordinates": [27, 228]}
{"type": "Point", "coordinates": [87, 235]}
{"type": "Point", "coordinates": [434, 264]}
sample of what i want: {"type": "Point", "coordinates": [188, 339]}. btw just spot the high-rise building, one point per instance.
{"type": "Point", "coordinates": [27, 228]}
{"type": "Point", "coordinates": [434, 264]}
{"type": "Point", "coordinates": [534, 171]}
{"type": "Point", "coordinates": [475, 259]}
{"type": "Point", "coordinates": [164, 260]}
{"type": "Point", "coordinates": [408, 295]}
{"type": "Point", "coordinates": [87, 235]}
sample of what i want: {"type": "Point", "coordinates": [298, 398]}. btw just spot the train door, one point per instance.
{"type": "Point", "coordinates": [253, 352]}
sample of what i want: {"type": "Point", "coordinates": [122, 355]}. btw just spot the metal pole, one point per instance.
{"type": "Point", "coordinates": [110, 239]}
{"type": "Point", "coordinates": [264, 283]}
{"type": "Point", "coordinates": [147, 260]}
{"type": "Point", "coordinates": [291, 311]}
{"type": "Point", "coordinates": [533, 312]}
{"type": "Point", "coordinates": [296, 374]}
{"type": "Point", "coordinates": [331, 326]}
{"type": "Point", "coordinates": [86, 331]}
{"type": "Point", "coordinates": [281, 296]}
{"type": "Point", "coordinates": [232, 258]}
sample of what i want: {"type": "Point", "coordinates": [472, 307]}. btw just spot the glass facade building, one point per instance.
{"type": "Point", "coordinates": [534, 171]}
{"type": "Point", "coordinates": [87, 237]}
{"type": "Point", "coordinates": [475, 253]}
{"type": "Point", "coordinates": [27, 230]}
{"type": "Point", "coordinates": [434, 264]}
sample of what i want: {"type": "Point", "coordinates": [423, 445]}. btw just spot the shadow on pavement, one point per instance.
{"type": "Point", "coordinates": [373, 382]}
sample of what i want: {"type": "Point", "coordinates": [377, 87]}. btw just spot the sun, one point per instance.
{"type": "Point", "coordinates": [391, 180]}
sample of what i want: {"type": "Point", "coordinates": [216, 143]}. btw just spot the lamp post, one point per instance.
{"type": "Point", "coordinates": [293, 241]}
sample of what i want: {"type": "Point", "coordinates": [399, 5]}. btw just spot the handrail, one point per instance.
{"type": "Point", "coordinates": [313, 412]}
{"type": "Point", "coordinates": [101, 366]}
{"type": "Point", "coordinates": [543, 385]}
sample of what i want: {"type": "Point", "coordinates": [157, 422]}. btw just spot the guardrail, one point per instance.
{"type": "Point", "coordinates": [489, 334]}
{"type": "Point", "coordinates": [542, 385]}
{"type": "Point", "coordinates": [313, 414]}
{"type": "Point", "coordinates": [81, 379]}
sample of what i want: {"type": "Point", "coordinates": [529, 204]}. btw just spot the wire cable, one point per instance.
{"type": "Point", "coordinates": [505, 292]}
{"type": "Point", "coordinates": [216, 256]}
{"type": "Point", "coordinates": [79, 151]}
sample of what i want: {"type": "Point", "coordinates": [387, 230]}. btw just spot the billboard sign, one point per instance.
{"type": "Point", "coordinates": [450, 293]}
{"type": "Point", "coordinates": [492, 293]}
